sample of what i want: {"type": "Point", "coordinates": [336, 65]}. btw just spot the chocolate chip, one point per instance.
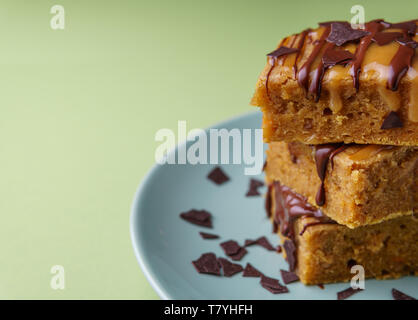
{"type": "Point", "coordinates": [342, 33]}
{"type": "Point", "coordinates": [290, 249]}
{"type": "Point", "coordinates": [205, 235]}
{"type": "Point", "coordinates": [289, 277]}
{"type": "Point", "coordinates": [262, 241]}
{"type": "Point", "coordinates": [250, 271]}
{"type": "Point", "coordinates": [273, 285]}
{"type": "Point", "coordinates": [347, 293]}
{"type": "Point", "coordinates": [253, 188]}
{"type": "Point", "coordinates": [229, 268]}
{"type": "Point", "coordinates": [279, 249]}
{"type": "Point", "coordinates": [392, 120]}
{"type": "Point", "coordinates": [351, 263]}
{"type": "Point", "coordinates": [397, 295]}
{"type": "Point", "coordinates": [281, 52]}
{"type": "Point", "coordinates": [218, 176]}
{"type": "Point", "coordinates": [233, 250]}
{"type": "Point", "coordinates": [383, 38]}
{"type": "Point", "coordinates": [333, 57]}
{"type": "Point", "coordinates": [198, 217]}
{"type": "Point", "coordinates": [207, 263]}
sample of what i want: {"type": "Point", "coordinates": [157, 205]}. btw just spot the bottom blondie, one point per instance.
{"type": "Point", "coordinates": [321, 251]}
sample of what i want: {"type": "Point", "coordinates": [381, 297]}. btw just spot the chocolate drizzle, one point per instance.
{"type": "Point", "coordinates": [289, 206]}
{"type": "Point", "coordinates": [336, 34]}
{"type": "Point", "coordinates": [274, 55]}
{"type": "Point", "coordinates": [323, 154]}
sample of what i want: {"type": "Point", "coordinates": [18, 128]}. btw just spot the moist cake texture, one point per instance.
{"type": "Point", "coordinates": [321, 251]}
{"type": "Point", "coordinates": [338, 84]}
{"type": "Point", "coordinates": [363, 184]}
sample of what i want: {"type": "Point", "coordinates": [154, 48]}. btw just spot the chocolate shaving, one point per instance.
{"type": "Point", "coordinates": [229, 268]}
{"type": "Point", "coordinates": [392, 120]}
{"type": "Point", "coordinates": [205, 235]}
{"type": "Point", "coordinates": [233, 250]}
{"type": "Point", "coordinates": [198, 217]}
{"type": "Point", "coordinates": [253, 188]}
{"type": "Point", "coordinates": [207, 263]}
{"type": "Point", "coordinates": [218, 176]}
{"type": "Point", "coordinates": [289, 277]}
{"type": "Point", "coordinates": [250, 271]}
{"type": "Point", "coordinates": [398, 295]}
{"type": "Point", "coordinates": [383, 38]}
{"type": "Point", "coordinates": [342, 295]}
{"type": "Point", "coordinates": [273, 285]}
{"type": "Point", "coordinates": [262, 241]}
{"type": "Point", "coordinates": [342, 33]}
{"type": "Point", "coordinates": [290, 249]}
{"type": "Point", "coordinates": [333, 57]}
{"type": "Point", "coordinates": [281, 51]}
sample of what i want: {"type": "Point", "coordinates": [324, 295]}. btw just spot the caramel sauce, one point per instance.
{"type": "Point", "coordinates": [368, 151]}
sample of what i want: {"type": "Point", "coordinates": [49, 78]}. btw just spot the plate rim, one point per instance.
{"type": "Point", "coordinates": [151, 277]}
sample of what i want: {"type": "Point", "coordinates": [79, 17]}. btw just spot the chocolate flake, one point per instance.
{"type": "Point", "coordinates": [281, 51]}
{"type": "Point", "coordinates": [342, 295]}
{"type": "Point", "coordinates": [383, 38]}
{"type": "Point", "coordinates": [205, 235]}
{"type": "Point", "coordinates": [207, 263]}
{"type": "Point", "coordinates": [218, 176]}
{"type": "Point", "coordinates": [398, 295]}
{"type": "Point", "coordinates": [262, 241]}
{"type": "Point", "coordinates": [250, 271]}
{"type": "Point", "coordinates": [342, 33]}
{"type": "Point", "coordinates": [290, 248]}
{"type": "Point", "coordinates": [273, 285]}
{"type": "Point", "coordinates": [333, 57]}
{"type": "Point", "coordinates": [229, 268]}
{"type": "Point", "coordinates": [233, 250]}
{"type": "Point", "coordinates": [289, 277]}
{"type": "Point", "coordinates": [253, 188]}
{"type": "Point", "coordinates": [198, 217]}
{"type": "Point", "coordinates": [392, 120]}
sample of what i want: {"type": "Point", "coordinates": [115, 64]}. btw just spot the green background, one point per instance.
{"type": "Point", "coordinates": [80, 108]}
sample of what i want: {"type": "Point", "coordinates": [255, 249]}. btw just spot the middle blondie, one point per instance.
{"type": "Point", "coordinates": [355, 185]}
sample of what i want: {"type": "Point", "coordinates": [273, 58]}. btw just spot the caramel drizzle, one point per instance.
{"type": "Point", "coordinates": [399, 66]}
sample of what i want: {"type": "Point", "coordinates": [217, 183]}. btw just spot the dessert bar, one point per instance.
{"type": "Point", "coordinates": [321, 251]}
{"type": "Point", "coordinates": [339, 84]}
{"type": "Point", "coordinates": [355, 185]}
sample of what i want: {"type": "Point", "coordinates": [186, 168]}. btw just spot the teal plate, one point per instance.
{"type": "Point", "coordinates": [165, 245]}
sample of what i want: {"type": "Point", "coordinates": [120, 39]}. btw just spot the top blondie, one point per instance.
{"type": "Point", "coordinates": [339, 84]}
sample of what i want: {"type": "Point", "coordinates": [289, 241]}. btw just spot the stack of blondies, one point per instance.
{"type": "Point", "coordinates": [340, 115]}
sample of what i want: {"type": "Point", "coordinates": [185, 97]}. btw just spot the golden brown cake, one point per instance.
{"type": "Point", "coordinates": [337, 84]}
{"type": "Point", "coordinates": [322, 251]}
{"type": "Point", "coordinates": [363, 184]}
